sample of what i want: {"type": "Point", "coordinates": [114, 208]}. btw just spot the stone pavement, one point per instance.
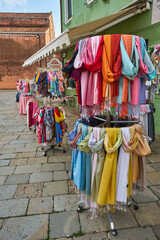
{"type": "Point", "coordinates": [37, 201]}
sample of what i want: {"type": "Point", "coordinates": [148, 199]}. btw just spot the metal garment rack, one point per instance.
{"type": "Point", "coordinates": [80, 204]}
{"type": "Point", "coordinates": [50, 146]}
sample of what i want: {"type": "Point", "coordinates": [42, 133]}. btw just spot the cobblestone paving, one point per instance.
{"type": "Point", "coordinates": [37, 201]}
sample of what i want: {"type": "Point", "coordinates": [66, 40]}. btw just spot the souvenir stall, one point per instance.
{"type": "Point", "coordinates": [43, 112]}
{"type": "Point", "coordinates": [110, 141]}
{"type": "Point", "coordinates": [49, 82]}
{"type": "Point", "coordinates": [26, 90]}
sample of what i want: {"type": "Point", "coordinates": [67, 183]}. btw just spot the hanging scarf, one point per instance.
{"type": "Point", "coordinates": [82, 176]}
{"type": "Point", "coordinates": [107, 189]}
{"type": "Point", "coordinates": [83, 145]}
{"type": "Point", "coordinates": [93, 63]}
{"type": "Point", "coordinates": [111, 65]}
{"type": "Point", "coordinates": [122, 169]}
{"type": "Point", "coordinates": [59, 135]}
{"type": "Point", "coordinates": [98, 148]}
{"type": "Point", "coordinates": [79, 64]}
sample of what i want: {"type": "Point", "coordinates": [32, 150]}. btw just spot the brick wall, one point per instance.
{"type": "Point", "coordinates": [15, 49]}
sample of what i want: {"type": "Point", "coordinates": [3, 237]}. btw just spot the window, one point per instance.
{"type": "Point", "coordinates": [89, 1]}
{"type": "Point", "coordinates": [68, 10]}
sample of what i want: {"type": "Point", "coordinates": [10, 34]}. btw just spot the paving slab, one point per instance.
{"type": "Point", "coordinates": [23, 150]}
{"type": "Point", "coordinates": [26, 228]}
{"type": "Point", "coordinates": [138, 233]}
{"type": "Point", "coordinates": [156, 190]}
{"type": "Point", "coordinates": [17, 179]}
{"type": "Point", "coordinates": [146, 196]}
{"type": "Point", "coordinates": [102, 223]}
{"type": "Point", "coordinates": [28, 169]}
{"type": "Point", "coordinates": [7, 192]}
{"type": "Point", "coordinates": [53, 167]}
{"type": "Point", "coordinates": [60, 175]}
{"type": "Point", "coordinates": [149, 168]}
{"type": "Point", "coordinates": [68, 166]}
{"type": "Point", "coordinates": [18, 162]}
{"type": "Point", "coordinates": [29, 190]}
{"type": "Point", "coordinates": [13, 207]}
{"type": "Point", "coordinates": [9, 150]}
{"type": "Point", "coordinates": [64, 224]}
{"type": "Point", "coordinates": [148, 214]}
{"type": "Point", "coordinates": [41, 177]}
{"type": "Point", "coordinates": [6, 170]}
{"type": "Point", "coordinates": [65, 158]}
{"type": "Point", "coordinates": [71, 188]}
{"type": "Point", "coordinates": [55, 188]}
{"type": "Point", "coordinates": [156, 166]}
{"type": "Point", "coordinates": [12, 146]}
{"type": "Point", "coordinates": [8, 156]}
{"type": "Point", "coordinates": [37, 160]}
{"type": "Point", "coordinates": [4, 163]}
{"type": "Point", "coordinates": [156, 229]}
{"type": "Point", "coordinates": [154, 177]}
{"type": "Point", "coordinates": [66, 202]}
{"type": "Point", "coordinates": [26, 154]}
{"type": "Point", "coordinates": [95, 236]}
{"type": "Point", "coordinates": [2, 179]}
{"type": "Point", "coordinates": [21, 141]}
{"type": "Point", "coordinates": [40, 205]}
{"type": "Point", "coordinates": [154, 158]}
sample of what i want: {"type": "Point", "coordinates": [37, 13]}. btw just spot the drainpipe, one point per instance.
{"type": "Point", "coordinates": [38, 36]}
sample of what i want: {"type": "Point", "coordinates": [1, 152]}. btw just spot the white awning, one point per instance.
{"type": "Point", "coordinates": [73, 35]}
{"type": "Point", "coordinates": [59, 43]}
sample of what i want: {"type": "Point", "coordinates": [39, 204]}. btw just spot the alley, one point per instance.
{"type": "Point", "coordinates": [37, 200]}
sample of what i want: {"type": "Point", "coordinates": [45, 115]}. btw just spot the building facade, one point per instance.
{"type": "Point", "coordinates": [143, 20]}
{"type": "Point", "coordinates": [21, 35]}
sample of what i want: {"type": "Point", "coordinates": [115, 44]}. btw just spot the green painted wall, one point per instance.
{"type": "Point", "coordinates": [157, 114]}
{"type": "Point", "coordinates": [83, 13]}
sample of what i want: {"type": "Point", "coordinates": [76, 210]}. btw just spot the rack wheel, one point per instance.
{"type": "Point", "coordinates": [79, 209]}
{"type": "Point", "coordinates": [136, 207]}
{"type": "Point", "coordinates": [114, 232]}
{"type": "Point", "coordinates": [44, 154]}
{"type": "Point", "coordinates": [64, 150]}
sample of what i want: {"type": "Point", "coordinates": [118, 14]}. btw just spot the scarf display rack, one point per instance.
{"type": "Point", "coordinates": [84, 140]}
{"type": "Point", "coordinates": [49, 123]}
{"type": "Point", "coordinates": [108, 164]}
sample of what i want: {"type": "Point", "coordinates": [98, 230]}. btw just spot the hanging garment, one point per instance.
{"type": "Point", "coordinates": [98, 148]}
{"type": "Point", "coordinates": [111, 65]}
{"type": "Point", "coordinates": [44, 84]}
{"type": "Point", "coordinates": [41, 127]}
{"type": "Point", "coordinates": [130, 66]}
{"type": "Point", "coordinates": [94, 138]}
{"type": "Point", "coordinates": [26, 87]}
{"type": "Point", "coordinates": [145, 109]}
{"type": "Point", "coordinates": [59, 117]}
{"type": "Point", "coordinates": [79, 64]}
{"type": "Point", "coordinates": [122, 170]}
{"type": "Point", "coordinates": [107, 189]}
{"type": "Point", "coordinates": [93, 63]}
{"type": "Point", "coordinates": [69, 67]}
{"type": "Point", "coordinates": [81, 165]}
{"type": "Point", "coordinates": [151, 126]}
{"type": "Point", "coordinates": [49, 121]}
{"type": "Point", "coordinates": [31, 110]}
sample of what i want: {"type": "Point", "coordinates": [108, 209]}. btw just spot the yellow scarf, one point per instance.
{"type": "Point", "coordinates": [107, 189]}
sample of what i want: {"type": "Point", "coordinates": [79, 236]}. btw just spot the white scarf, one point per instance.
{"type": "Point", "coordinates": [122, 170]}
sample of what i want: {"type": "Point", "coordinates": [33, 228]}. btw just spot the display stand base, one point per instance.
{"type": "Point", "coordinates": [53, 147]}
